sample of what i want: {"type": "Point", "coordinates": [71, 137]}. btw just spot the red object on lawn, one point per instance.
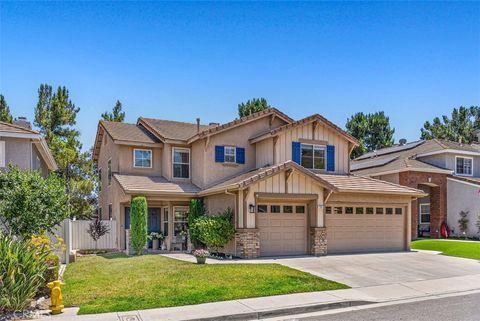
{"type": "Point", "coordinates": [444, 230]}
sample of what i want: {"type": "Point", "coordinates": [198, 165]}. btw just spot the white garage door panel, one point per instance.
{"type": "Point", "coordinates": [365, 232]}
{"type": "Point", "coordinates": [282, 233]}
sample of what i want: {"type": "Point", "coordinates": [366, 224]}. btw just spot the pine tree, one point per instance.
{"type": "Point", "coordinates": [5, 111]}
{"type": "Point", "coordinates": [116, 115]}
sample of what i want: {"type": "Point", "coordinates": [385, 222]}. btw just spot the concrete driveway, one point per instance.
{"type": "Point", "coordinates": [365, 270]}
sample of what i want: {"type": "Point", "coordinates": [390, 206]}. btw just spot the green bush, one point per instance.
{"type": "Point", "coordinates": [51, 273]}
{"type": "Point", "coordinates": [138, 223]}
{"type": "Point", "coordinates": [196, 209]}
{"type": "Point", "coordinates": [22, 270]}
{"type": "Point", "coordinates": [215, 231]}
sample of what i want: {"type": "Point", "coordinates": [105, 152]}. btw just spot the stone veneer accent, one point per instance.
{"type": "Point", "coordinates": [318, 241]}
{"type": "Point", "coordinates": [247, 243]}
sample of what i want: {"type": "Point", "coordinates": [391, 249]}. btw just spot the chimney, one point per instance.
{"type": "Point", "coordinates": [198, 125]}
{"type": "Point", "coordinates": [402, 141]}
{"type": "Point", "coordinates": [23, 122]}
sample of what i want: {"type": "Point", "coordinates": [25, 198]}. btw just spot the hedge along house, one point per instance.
{"type": "Point", "coordinates": [288, 183]}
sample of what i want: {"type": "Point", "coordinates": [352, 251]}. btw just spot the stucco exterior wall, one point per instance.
{"type": "Point", "coordinates": [283, 147]}
{"type": "Point", "coordinates": [447, 160]}
{"type": "Point", "coordinates": [217, 204]}
{"type": "Point", "coordinates": [125, 161]}
{"type": "Point", "coordinates": [18, 151]}
{"type": "Point", "coordinates": [392, 178]}
{"type": "Point", "coordinates": [463, 196]}
{"type": "Point", "coordinates": [108, 150]}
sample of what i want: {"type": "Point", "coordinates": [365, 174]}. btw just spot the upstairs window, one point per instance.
{"type": "Point", "coordinates": [142, 158]}
{"type": "Point", "coordinates": [109, 167]}
{"type": "Point", "coordinates": [463, 166]}
{"type": "Point", "coordinates": [230, 154]}
{"type": "Point", "coordinates": [181, 163]}
{"type": "Point", "coordinates": [313, 156]}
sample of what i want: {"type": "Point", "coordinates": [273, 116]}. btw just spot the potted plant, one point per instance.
{"type": "Point", "coordinates": [201, 255]}
{"type": "Point", "coordinates": [155, 238]}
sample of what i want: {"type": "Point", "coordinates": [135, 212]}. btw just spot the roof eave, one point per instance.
{"type": "Point", "coordinates": [406, 169]}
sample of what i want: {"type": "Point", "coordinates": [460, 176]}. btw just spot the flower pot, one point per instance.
{"type": "Point", "coordinates": [155, 244]}
{"type": "Point", "coordinates": [201, 260]}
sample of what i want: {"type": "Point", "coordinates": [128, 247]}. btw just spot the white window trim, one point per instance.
{"type": "Point", "coordinates": [189, 162]}
{"type": "Point", "coordinates": [145, 150]}
{"type": "Point", "coordinates": [173, 218]}
{"type": "Point", "coordinates": [2, 153]}
{"type": "Point", "coordinates": [313, 156]}
{"type": "Point", "coordinates": [461, 174]}
{"type": "Point", "coordinates": [234, 154]}
{"type": "Point", "coordinates": [420, 213]}
{"type": "Point", "coordinates": [109, 181]}
{"type": "Point", "coordinates": [163, 221]}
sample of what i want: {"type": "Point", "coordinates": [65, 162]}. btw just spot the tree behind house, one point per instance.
{"type": "Point", "coordinates": [138, 224]}
{"type": "Point", "coordinates": [5, 111]}
{"type": "Point", "coordinates": [96, 229]}
{"type": "Point", "coordinates": [252, 106]}
{"type": "Point", "coordinates": [117, 115]}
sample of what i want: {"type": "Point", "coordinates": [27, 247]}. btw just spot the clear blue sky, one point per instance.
{"type": "Point", "coordinates": [185, 60]}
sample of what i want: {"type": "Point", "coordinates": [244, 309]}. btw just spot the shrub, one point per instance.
{"type": "Point", "coordinates": [196, 209]}
{"type": "Point", "coordinates": [463, 222]}
{"type": "Point", "coordinates": [31, 204]}
{"type": "Point", "coordinates": [215, 231]}
{"type": "Point", "coordinates": [51, 273]}
{"type": "Point", "coordinates": [138, 224]}
{"type": "Point", "coordinates": [22, 270]}
{"type": "Point", "coordinates": [96, 229]}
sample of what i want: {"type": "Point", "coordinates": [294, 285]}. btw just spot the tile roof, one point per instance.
{"type": "Point", "coordinates": [395, 159]}
{"type": "Point", "coordinates": [128, 132]}
{"type": "Point", "coordinates": [353, 183]}
{"type": "Point", "coordinates": [153, 184]}
{"type": "Point", "coordinates": [7, 127]}
{"type": "Point", "coordinates": [176, 130]}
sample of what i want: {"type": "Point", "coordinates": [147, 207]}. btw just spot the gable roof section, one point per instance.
{"type": "Point", "coordinates": [122, 132]}
{"type": "Point", "coordinates": [11, 128]}
{"type": "Point", "coordinates": [172, 130]}
{"type": "Point", "coordinates": [357, 184]}
{"type": "Point", "coordinates": [237, 122]}
{"type": "Point", "coordinates": [301, 122]}
{"type": "Point", "coordinates": [244, 180]}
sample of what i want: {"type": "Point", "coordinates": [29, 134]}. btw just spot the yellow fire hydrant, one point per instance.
{"type": "Point", "coordinates": [56, 297]}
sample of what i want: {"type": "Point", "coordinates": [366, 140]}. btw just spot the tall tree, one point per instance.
{"type": "Point", "coordinates": [5, 111]}
{"type": "Point", "coordinates": [459, 128]}
{"type": "Point", "coordinates": [116, 115]}
{"type": "Point", "coordinates": [373, 132]}
{"type": "Point", "coordinates": [252, 106]}
{"type": "Point", "coordinates": [55, 116]}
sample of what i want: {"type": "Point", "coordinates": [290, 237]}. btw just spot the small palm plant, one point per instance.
{"type": "Point", "coordinates": [463, 222]}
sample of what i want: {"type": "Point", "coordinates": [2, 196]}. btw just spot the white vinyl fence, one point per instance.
{"type": "Point", "coordinates": [76, 237]}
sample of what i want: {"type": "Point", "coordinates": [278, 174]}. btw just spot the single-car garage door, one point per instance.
{"type": "Point", "coordinates": [361, 228]}
{"type": "Point", "coordinates": [282, 228]}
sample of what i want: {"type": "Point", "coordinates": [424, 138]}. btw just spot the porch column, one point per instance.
{"type": "Point", "coordinates": [240, 207]}
{"type": "Point", "coordinates": [408, 217]}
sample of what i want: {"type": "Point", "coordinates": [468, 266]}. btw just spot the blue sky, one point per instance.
{"type": "Point", "coordinates": [185, 60]}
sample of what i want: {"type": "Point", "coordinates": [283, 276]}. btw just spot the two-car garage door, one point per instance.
{"type": "Point", "coordinates": [357, 228]}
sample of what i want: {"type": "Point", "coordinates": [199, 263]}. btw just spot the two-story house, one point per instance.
{"type": "Point", "coordinates": [288, 183]}
{"type": "Point", "coordinates": [447, 171]}
{"type": "Point", "coordinates": [23, 147]}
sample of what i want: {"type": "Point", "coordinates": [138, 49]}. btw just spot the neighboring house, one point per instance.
{"type": "Point", "coordinates": [287, 182]}
{"type": "Point", "coordinates": [448, 171]}
{"type": "Point", "coordinates": [23, 147]}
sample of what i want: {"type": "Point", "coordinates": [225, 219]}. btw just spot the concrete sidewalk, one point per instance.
{"type": "Point", "coordinates": [263, 307]}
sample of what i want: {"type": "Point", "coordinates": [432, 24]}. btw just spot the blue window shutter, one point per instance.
{"type": "Point", "coordinates": [330, 158]}
{"type": "Point", "coordinates": [240, 155]}
{"type": "Point", "coordinates": [296, 152]}
{"type": "Point", "coordinates": [219, 154]}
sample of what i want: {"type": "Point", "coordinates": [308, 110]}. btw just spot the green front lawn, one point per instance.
{"type": "Point", "coordinates": [119, 283]}
{"type": "Point", "coordinates": [469, 250]}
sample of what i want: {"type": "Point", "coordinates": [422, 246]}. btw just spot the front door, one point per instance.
{"type": "Point", "coordinates": [424, 219]}
{"type": "Point", "coordinates": [153, 222]}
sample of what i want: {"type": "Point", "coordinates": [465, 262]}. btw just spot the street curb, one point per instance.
{"type": "Point", "coordinates": [263, 314]}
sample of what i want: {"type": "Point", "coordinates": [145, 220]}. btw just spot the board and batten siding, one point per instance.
{"type": "Point", "coordinates": [297, 184]}
{"type": "Point", "coordinates": [283, 147]}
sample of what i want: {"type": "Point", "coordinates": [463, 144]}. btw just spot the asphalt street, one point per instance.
{"type": "Point", "coordinates": [457, 308]}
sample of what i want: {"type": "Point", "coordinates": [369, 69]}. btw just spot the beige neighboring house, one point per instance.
{"type": "Point", "coordinates": [24, 147]}
{"type": "Point", "coordinates": [449, 172]}
{"type": "Point", "coordinates": [288, 183]}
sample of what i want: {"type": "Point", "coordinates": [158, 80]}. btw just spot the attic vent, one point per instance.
{"type": "Point", "coordinates": [402, 141]}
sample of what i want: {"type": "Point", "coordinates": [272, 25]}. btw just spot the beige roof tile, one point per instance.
{"type": "Point", "coordinates": [7, 127]}
{"type": "Point", "coordinates": [353, 183]}
{"type": "Point", "coordinates": [176, 130]}
{"type": "Point", "coordinates": [128, 132]}
{"type": "Point", "coordinates": [153, 184]}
